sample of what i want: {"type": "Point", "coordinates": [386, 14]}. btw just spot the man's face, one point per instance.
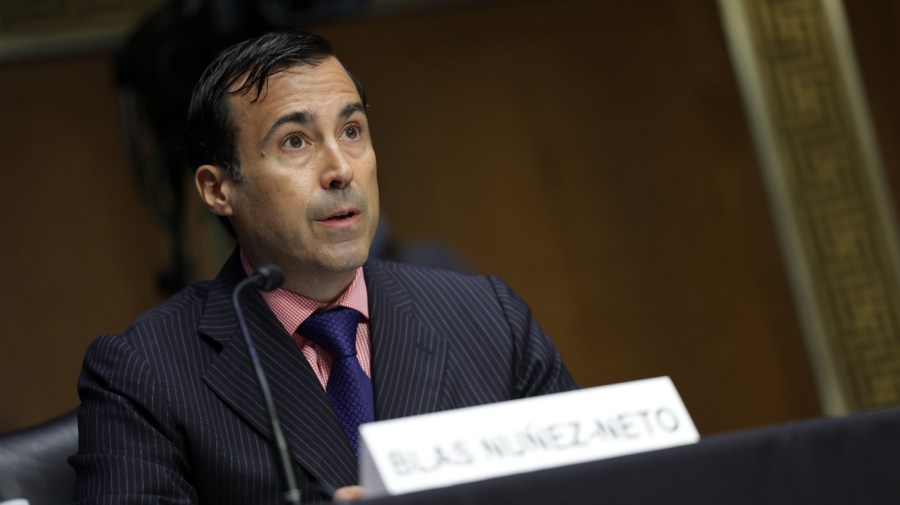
{"type": "Point", "coordinates": [308, 201]}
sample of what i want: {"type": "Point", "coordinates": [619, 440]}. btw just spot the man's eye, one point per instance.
{"type": "Point", "coordinates": [293, 142]}
{"type": "Point", "coordinates": [352, 132]}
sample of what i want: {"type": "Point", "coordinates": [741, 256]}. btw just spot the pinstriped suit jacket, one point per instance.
{"type": "Point", "coordinates": [171, 411]}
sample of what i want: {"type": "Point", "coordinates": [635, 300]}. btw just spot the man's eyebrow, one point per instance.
{"type": "Point", "coordinates": [350, 108]}
{"type": "Point", "coordinates": [300, 116]}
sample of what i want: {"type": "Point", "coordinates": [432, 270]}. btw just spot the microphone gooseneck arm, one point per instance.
{"type": "Point", "coordinates": [267, 278]}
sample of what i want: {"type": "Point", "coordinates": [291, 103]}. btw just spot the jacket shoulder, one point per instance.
{"type": "Point", "coordinates": [437, 291]}
{"type": "Point", "coordinates": [189, 297]}
{"type": "Point", "coordinates": [408, 273]}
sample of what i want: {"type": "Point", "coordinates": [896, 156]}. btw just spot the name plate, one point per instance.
{"type": "Point", "coordinates": [456, 446]}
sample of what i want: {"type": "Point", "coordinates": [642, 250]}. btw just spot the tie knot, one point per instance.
{"type": "Point", "coordinates": [334, 329]}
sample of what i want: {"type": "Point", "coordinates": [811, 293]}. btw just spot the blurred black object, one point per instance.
{"type": "Point", "coordinates": [33, 462]}
{"type": "Point", "coordinates": [156, 72]}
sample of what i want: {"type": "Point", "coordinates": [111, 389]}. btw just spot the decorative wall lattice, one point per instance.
{"type": "Point", "coordinates": [17, 16]}
{"type": "Point", "coordinates": [842, 222]}
{"type": "Point", "coordinates": [36, 28]}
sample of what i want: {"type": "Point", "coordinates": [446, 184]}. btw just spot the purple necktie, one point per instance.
{"type": "Point", "coordinates": [349, 388]}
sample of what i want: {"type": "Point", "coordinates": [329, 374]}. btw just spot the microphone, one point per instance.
{"type": "Point", "coordinates": [267, 278]}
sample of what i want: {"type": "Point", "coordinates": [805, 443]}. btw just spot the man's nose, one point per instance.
{"type": "Point", "coordinates": [338, 172]}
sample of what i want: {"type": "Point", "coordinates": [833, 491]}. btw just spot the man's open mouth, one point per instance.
{"type": "Point", "coordinates": [343, 215]}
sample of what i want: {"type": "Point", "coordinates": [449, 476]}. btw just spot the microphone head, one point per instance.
{"type": "Point", "coordinates": [270, 277]}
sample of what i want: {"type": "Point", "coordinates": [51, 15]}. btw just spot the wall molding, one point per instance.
{"type": "Point", "coordinates": [828, 193]}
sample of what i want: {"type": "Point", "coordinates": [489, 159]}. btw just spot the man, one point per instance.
{"type": "Point", "coordinates": [171, 411]}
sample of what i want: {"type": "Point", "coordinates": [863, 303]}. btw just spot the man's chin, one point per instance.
{"type": "Point", "coordinates": [344, 260]}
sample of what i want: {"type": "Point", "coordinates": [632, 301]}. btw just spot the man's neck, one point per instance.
{"type": "Point", "coordinates": [317, 285]}
{"type": "Point", "coordinates": [323, 288]}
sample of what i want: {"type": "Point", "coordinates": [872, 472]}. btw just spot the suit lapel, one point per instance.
{"type": "Point", "coordinates": [408, 357]}
{"type": "Point", "coordinates": [311, 428]}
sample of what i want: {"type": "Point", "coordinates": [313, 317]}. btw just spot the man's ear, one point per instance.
{"type": "Point", "coordinates": [215, 186]}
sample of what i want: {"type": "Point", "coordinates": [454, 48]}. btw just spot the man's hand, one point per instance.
{"type": "Point", "coordinates": [348, 493]}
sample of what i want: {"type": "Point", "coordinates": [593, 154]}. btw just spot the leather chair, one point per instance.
{"type": "Point", "coordinates": [34, 462]}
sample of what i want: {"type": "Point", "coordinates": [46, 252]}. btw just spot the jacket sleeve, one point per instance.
{"type": "Point", "coordinates": [537, 366]}
{"type": "Point", "coordinates": [129, 448]}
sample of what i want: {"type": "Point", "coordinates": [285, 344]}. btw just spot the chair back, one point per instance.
{"type": "Point", "coordinates": [34, 462]}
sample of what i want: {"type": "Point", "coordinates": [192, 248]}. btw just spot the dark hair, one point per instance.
{"type": "Point", "coordinates": [210, 128]}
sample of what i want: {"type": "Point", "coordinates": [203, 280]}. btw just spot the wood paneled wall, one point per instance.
{"type": "Point", "coordinates": [593, 154]}
{"type": "Point", "coordinates": [877, 42]}
{"type": "Point", "coordinates": [80, 251]}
